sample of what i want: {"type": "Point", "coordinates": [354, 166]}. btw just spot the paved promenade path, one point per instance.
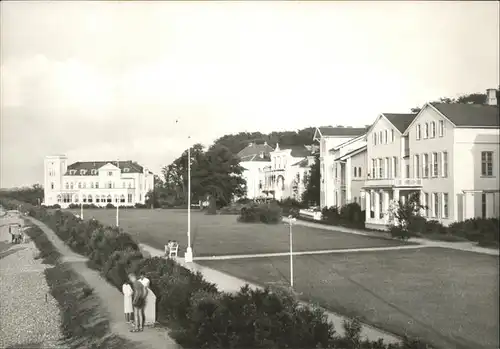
{"type": "Point", "coordinates": [111, 298]}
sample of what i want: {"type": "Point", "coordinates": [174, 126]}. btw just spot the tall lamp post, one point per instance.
{"type": "Point", "coordinates": [118, 203]}
{"type": "Point", "coordinates": [291, 220]}
{"type": "Point", "coordinates": [188, 256]}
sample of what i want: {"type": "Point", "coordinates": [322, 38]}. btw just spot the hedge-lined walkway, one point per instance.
{"type": "Point", "coordinates": [111, 298]}
{"type": "Point", "coordinates": [461, 246]}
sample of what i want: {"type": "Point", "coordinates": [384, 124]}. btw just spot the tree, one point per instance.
{"type": "Point", "coordinates": [313, 183]}
{"type": "Point", "coordinates": [33, 195]}
{"type": "Point", "coordinates": [470, 98]}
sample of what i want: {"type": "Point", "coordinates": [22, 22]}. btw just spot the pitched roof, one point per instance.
{"type": "Point", "coordinates": [251, 152]}
{"type": "Point", "coordinates": [400, 121]}
{"type": "Point", "coordinates": [298, 151]}
{"type": "Point", "coordinates": [133, 167]}
{"type": "Point", "coordinates": [302, 163]}
{"type": "Point", "coordinates": [341, 131]}
{"type": "Point", "coordinates": [254, 158]}
{"type": "Point", "coordinates": [352, 152]}
{"type": "Point", "coordinates": [470, 115]}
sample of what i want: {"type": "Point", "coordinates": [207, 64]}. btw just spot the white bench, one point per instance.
{"type": "Point", "coordinates": [172, 251]}
{"type": "Point", "coordinates": [316, 215]}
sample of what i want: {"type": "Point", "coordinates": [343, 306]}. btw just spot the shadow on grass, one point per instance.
{"type": "Point", "coordinates": [83, 324]}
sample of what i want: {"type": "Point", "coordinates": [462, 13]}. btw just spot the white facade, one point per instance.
{"type": "Point", "coordinates": [254, 176]}
{"type": "Point", "coordinates": [97, 183]}
{"type": "Point", "coordinates": [284, 176]}
{"type": "Point", "coordinates": [329, 138]}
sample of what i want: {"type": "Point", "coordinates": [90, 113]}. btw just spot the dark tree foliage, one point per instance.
{"type": "Point", "coordinates": [32, 195]}
{"type": "Point", "coordinates": [313, 183]}
{"type": "Point", "coordinates": [471, 98]}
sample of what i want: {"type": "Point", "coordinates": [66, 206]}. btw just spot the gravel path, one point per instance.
{"type": "Point", "coordinates": [28, 313]}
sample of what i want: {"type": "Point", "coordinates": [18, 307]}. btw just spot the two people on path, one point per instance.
{"type": "Point", "coordinates": [139, 297]}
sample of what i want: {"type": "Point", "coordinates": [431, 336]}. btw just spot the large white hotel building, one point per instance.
{"type": "Point", "coordinates": [123, 183]}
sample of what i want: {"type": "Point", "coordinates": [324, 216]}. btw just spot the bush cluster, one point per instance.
{"type": "Point", "coordinates": [199, 315]}
{"type": "Point", "coordinates": [291, 207]}
{"type": "Point", "coordinates": [349, 215]}
{"type": "Point", "coordinates": [261, 213]}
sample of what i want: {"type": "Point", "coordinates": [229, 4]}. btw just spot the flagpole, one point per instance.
{"type": "Point", "coordinates": [188, 257]}
{"type": "Point", "coordinates": [118, 203]}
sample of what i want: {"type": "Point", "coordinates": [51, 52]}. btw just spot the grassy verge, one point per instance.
{"type": "Point", "coordinates": [82, 322]}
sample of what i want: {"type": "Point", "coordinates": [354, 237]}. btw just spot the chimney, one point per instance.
{"type": "Point", "coordinates": [491, 96]}
{"type": "Point", "coordinates": [277, 146]}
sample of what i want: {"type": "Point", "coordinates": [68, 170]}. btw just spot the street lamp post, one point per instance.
{"type": "Point", "coordinates": [118, 200]}
{"type": "Point", "coordinates": [290, 222]}
{"type": "Point", "coordinates": [188, 256]}
{"type": "Point", "coordinates": [81, 210]}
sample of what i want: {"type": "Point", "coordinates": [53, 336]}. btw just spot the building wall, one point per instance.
{"type": "Point", "coordinates": [77, 186]}
{"type": "Point", "coordinates": [253, 174]}
{"type": "Point", "coordinates": [437, 145]}
{"type": "Point", "coordinates": [382, 151]}
{"type": "Point", "coordinates": [469, 144]}
{"type": "Point", "coordinates": [357, 182]}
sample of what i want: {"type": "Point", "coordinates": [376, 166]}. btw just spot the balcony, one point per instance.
{"type": "Point", "coordinates": [274, 170]}
{"type": "Point", "coordinates": [393, 182]}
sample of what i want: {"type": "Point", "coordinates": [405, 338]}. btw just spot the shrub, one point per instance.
{"type": "Point", "coordinates": [399, 232]}
{"type": "Point", "coordinates": [265, 213]}
{"type": "Point", "coordinates": [139, 205]}
{"type": "Point", "coordinates": [352, 213]}
{"type": "Point", "coordinates": [485, 231]}
{"type": "Point", "coordinates": [110, 205]}
{"type": "Point", "coordinates": [291, 206]}
{"type": "Point", "coordinates": [232, 209]}
{"type": "Point", "coordinates": [331, 214]}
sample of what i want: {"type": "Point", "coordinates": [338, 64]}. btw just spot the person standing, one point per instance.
{"type": "Point", "coordinates": [128, 309]}
{"type": "Point", "coordinates": [138, 302]}
{"type": "Point", "coordinates": [150, 307]}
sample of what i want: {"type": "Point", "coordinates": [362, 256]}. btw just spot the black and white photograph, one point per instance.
{"type": "Point", "coordinates": [249, 174]}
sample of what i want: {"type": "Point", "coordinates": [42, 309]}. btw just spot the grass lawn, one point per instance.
{"type": "Point", "coordinates": [223, 235]}
{"type": "Point", "coordinates": [446, 297]}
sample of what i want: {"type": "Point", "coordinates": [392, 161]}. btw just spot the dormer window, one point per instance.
{"type": "Point", "coordinates": [126, 169]}
{"type": "Point", "coordinates": [93, 172]}
{"type": "Point", "coordinates": [72, 172]}
{"type": "Point", "coordinates": [82, 172]}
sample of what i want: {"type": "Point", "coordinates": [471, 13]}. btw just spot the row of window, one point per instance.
{"type": "Point", "coordinates": [436, 167]}
{"type": "Point", "coordinates": [69, 198]}
{"type": "Point", "coordinates": [436, 205]}
{"type": "Point", "coordinates": [357, 172]}
{"type": "Point", "coordinates": [383, 137]}
{"type": "Point", "coordinates": [92, 172]}
{"type": "Point", "coordinates": [94, 185]}
{"type": "Point", "coordinates": [429, 130]}
{"type": "Point", "coordinates": [384, 168]}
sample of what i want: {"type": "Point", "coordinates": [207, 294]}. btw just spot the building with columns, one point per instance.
{"type": "Point", "coordinates": [123, 183]}
{"type": "Point", "coordinates": [328, 138]}
{"type": "Point", "coordinates": [446, 152]}
{"type": "Point", "coordinates": [284, 175]}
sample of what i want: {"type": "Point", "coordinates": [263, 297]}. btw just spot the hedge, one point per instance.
{"type": "Point", "coordinates": [198, 314]}
{"type": "Point", "coordinates": [264, 213]}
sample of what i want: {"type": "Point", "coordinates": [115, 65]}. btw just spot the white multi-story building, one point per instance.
{"type": "Point", "coordinates": [284, 175]}
{"type": "Point", "coordinates": [124, 183]}
{"type": "Point", "coordinates": [254, 158]}
{"type": "Point", "coordinates": [329, 138]}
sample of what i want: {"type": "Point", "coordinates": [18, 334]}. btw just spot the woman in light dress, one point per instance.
{"type": "Point", "coordinates": [127, 302]}
{"type": "Point", "coordinates": [150, 308]}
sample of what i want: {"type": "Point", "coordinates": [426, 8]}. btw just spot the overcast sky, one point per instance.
{"type": "Point", "coordinates": [99, 81]}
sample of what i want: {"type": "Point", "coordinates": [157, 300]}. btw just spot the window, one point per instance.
{"type": "Point", "coordinates": [374, 168]}
{"type": "Point", "coordinates": [84, 198]}
{"type": "Point", "coordinates": [93, 172]}
{"type": "Point", "coordinates": [445, 205]}
{"type": "Point", "coordinates": [97, 199]}
{"type": "Point", "coordinates": [110, 185]}
{"type": "Point", "coordinates": [380, 169]}
{"type": "Point", "coordinates": [444, 164]}
{"type": "Point", "coordinates": [123, 184]}
{"type": "Point", "coordinates": [126, 169]}
{"type": "Point", "coordinates": [417, 166]}
{"type": "Point", "coordinates": [89, 198]}
{"type": "Point", "coordinates": [103, 198]}
{"type": "Point", "coordinates": [433, 129]}
{"type": "Point", "coordinates": [117, 199]}
{"type": "Point", "coordinates": [374, 139]}
{"type": "Point", "coordinates": [395, 161]}
{"type": "Point", "coordinates": [386, 138]}
{"type": "Point", "coordinates": [109, 198]}
{"type": "Point", "coordinates": [407, 174]}
{"type": "Point", "coordinates": [483, 205]}
{"type": "Point", "coordinates": [92, 185]}
{"type": "Point", "coordinates": [426, 130]}
{"type": "Point", "coordinates": [130, 185]}
{"type": "Point", "coordinates": [82, 172]}
{"type": "Point", "coordinates": [97, 185]}
{"type": "Point", "coordinates": [355, 172]}
{"type": "Point", "coordinates": [59, 199]}
{"type": "Point", "coordinates": [122, 198]}
{"type": "Point", "coordinates": [380, 137]}
{"type": "Point", "coordinates": [434, 164]}
{"type": "Point", "coordinates": [72, 172]}
{"type": "Point", "coordinates": [66, 185]}
{"type": "Point", "coordinates": [392, 136]}
{"type": "Point", "coordinates": [425, 165]}
{"type": "Point", "coordinates": [129, 198]}
{"type": "Point", "coordinates": [71, 185]}
{"type": "Point", "coordinates": [76, 198]}
{"type": "Point", "coordinates": [435, 205]}
{"type": "Point", "coordinates": [419, 132]}
{"type": "Point", "coordinates": [487, 163]}
{"type": "Point", "coordinates": [441, 128]}
{"type": "Point", "coordinates": [79, 185]}
{"type": "Point", "coordinates": [386, 167]}
{"type": "Point", "coordinates": [427, 204]}
{"type": "Point", "coordinates": [110, 173]}
{"type": "Point", "coordinates": [359, 171]}
{"type": "Point", "coordinates": [84, 185]}
{"type": "Point", "coordinates": [52, 185]}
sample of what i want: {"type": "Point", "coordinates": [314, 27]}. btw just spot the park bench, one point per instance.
{"type": "Point", "coordinates": [171, 251]}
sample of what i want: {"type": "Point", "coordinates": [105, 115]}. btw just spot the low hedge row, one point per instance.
{"type": "Point", "coordinates": [484, 231]}
{"type": "Point", "coordinates": [270, 213]}
{"type": "Point", "coordinates": [349, 215]}
{"type": "Point", "coordinates": [199, 315]}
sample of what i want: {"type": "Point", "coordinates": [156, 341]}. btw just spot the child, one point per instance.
{"type": "Point", "coordinates": [127, 302]}
{"type": "Point", "coordinates": [138, 302]}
